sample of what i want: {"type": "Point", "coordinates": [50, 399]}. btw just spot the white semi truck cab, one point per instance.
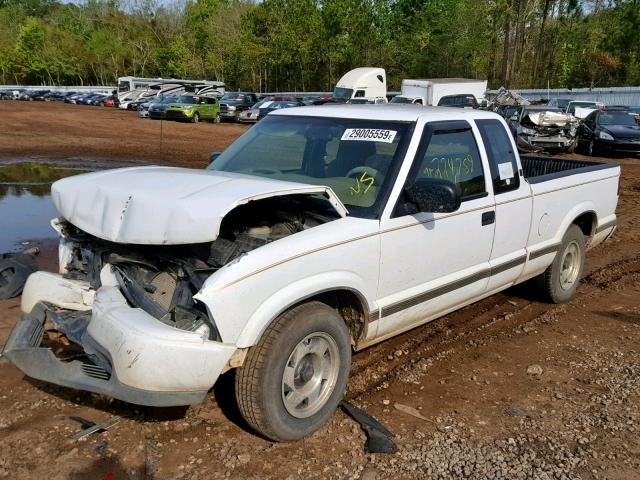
{"type": "Point", "coordinates": [360, 84]}
{"type": "Point", "coordinates": [320, 231]}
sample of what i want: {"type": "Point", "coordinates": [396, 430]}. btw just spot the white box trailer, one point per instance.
{"type": "Point", "coordinates": [430, 91]}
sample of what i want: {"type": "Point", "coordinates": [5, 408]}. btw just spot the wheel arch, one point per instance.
{"type": "Point", "coordinates": [587, 222]}
{"type": "Point", "coordinates": [348, 300]}
{"type": "Point", "coordinates": [583, 215]}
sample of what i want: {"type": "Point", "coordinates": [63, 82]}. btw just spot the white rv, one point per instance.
{"type": "Point", "coordinates": [432, 91]}
{"type": "Point", "coordinates": [366, 83]}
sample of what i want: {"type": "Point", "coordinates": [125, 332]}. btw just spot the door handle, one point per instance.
{"type": "Point", "coordinates": [488, 218]}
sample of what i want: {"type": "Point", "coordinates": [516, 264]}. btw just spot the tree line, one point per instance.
{"type": "Point", "coordinates": [305, 45]}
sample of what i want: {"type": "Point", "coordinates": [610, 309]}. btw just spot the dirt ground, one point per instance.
{"type": "Point", "coordinates": [575, 415]}
{"type": "Point", "coordinates": [59, 130]}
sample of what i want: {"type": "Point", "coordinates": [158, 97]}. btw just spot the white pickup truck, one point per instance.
{"type": "Point", "coordinates": [320, 231]}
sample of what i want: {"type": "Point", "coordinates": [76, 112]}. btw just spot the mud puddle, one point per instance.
{"type": "Point", "coordinates": [26, 208]}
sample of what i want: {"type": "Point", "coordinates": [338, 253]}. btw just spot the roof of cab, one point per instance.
{"type": "Point", "coordinates": [389, 111]}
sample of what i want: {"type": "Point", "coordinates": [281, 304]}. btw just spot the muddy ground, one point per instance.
{"type": "Point", "coordinates": [575, 415]}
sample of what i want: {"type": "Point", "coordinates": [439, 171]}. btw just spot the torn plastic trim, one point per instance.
{"type": "Point", "coordinates": [24, 350]}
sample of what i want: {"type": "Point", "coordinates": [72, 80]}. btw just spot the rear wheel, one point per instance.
{"type": "Point", "coordinates": [561, 279]}
{"type": "Point", "coordinates": [293, 379]}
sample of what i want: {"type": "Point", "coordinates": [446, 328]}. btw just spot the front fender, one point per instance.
{"type": "Point", "coordinates": [296, 292]}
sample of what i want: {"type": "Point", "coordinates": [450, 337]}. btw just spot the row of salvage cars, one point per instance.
{"type": "Point", "coordinates": [242, 107]}
{"type": "Point", "coordinates": [567, 126]}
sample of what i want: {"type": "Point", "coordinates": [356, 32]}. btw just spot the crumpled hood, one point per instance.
{"type": "Point", "coordinates": [165, 205]}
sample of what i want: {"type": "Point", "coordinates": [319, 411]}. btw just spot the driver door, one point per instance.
{"type": "Point", "coordinates": [433, 262]}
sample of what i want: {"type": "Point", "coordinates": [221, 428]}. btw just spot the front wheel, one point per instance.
{"type": "Point", "coordinates": [561, 279]}
{"type": "Point", "coordinates": [216, 119]}
{"type": "Point", "coordinates": [592, 150]}
{"type": "Point", "coordinates": [195, 118]}
{"type": "Point", "coordinates": [293, 379]}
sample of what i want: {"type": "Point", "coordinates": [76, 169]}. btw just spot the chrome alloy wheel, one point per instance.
{"type": "Point", "coordinates": [570, 265]}
{"type": "Point", "coordinates": [310, 375]}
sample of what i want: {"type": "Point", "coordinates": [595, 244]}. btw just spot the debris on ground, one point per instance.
{"type": "Point", "coordinates": [378, 437]}
{"type": "Point", "coordinates": [534, 370]}
{"type": "Point", "coordinates": [14, 270]}
{"type": "Point", "coordinates": [100, 447]}
{"type": "Point", "coordinates": [410, 411]}
{"type": "Point", "coordinates": [95, 428]}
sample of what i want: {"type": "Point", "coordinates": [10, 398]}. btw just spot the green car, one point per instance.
{"type": "Point", "coordinates": [194, 108]}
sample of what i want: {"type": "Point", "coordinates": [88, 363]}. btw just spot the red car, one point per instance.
{"type": "Point", "coordinates": [107, 102]}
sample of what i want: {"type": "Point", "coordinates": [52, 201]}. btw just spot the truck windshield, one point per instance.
{"type": "Point", "coordinates": [342, 94]}
{"type": "Point", "coordinates": [356, 158]}
{"type": "Point", "coordinates": [399, 99]}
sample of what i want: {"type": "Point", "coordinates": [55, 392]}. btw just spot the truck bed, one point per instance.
{"type": "Point", "coordinates": [538, 169]}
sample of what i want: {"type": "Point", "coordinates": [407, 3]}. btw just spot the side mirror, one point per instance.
{"type": "Point", "coordinates": [213, 156]}
{"type": "Point", "coordinates": [433, 195]}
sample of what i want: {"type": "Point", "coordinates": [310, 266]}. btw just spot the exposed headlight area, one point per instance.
{"type": "Point", "coordinates": [161, 280]}
{"type": "Point", "coordinates": [528, 131]}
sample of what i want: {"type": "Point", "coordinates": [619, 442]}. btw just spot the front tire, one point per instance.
{"type": "Point", "coordinates": [217, 118]}
{"type": "Point", "coordinates": [195, 118]}
{"type": "Point", "coordinates": [294, 378]}
{"type": "Point", "coordinates": [562, 277]}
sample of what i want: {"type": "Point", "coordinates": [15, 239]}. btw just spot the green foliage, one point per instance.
{"type": "Point", "coordinates": [308, 44]}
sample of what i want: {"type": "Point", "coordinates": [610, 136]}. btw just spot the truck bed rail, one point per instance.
{"type": "Point", "coordinates": [539, 169]}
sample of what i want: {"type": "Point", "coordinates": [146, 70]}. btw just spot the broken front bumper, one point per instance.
{"type": "Point", "coordinates": [539, 143]}
{"type": "Point", "coordinates": [128, 354]}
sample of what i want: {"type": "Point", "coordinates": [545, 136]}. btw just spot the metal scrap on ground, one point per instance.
{"type": "Point", "coordinates": [96, 427]}
{"type": "Point", "coordinates": [378, 437]}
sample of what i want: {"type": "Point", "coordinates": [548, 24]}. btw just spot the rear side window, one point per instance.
{"type": "Point", "coordinates": [453, 155]}
{"type": "Point", "coordinates": [502, 159]}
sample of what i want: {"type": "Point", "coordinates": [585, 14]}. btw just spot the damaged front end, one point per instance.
{"type": "Point", "coordinates": [546, 130]}
{"type": "Point", "coordinates": [121, 319]}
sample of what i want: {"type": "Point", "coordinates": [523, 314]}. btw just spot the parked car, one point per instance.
{"type": "Point", "coordinates": [194, 108]}
{"type": "Point", "coordinates": [506, 111]}
{"type": "Point", "coordinates": [273, 105]}
{"type": "Point", "coordinates": [559, 103]}
{"type": "Point", "coordinates": [134, 105]}
{"type": "Point", "coordinates": [33, 95]}
{"type": "Point", "coordinates": [232, 103]}
{"type": "Point", "coordinates": [543, 128]}
{"type": "Point", "coordinates": [458, 101]}
{"type": "Point", "coordinates": [609, 131]}
{"type": "Point", "coordinates": [171, 276]}
{"type": "Point", "coordinates": [143, 109]}
{"type": "Point", "coordinates": [86, 98]}
{"type": "Point", "coordinates": [73, 98]}
{"type": "Point", "coordinates": [251, 115]}
{"type": "Point", "coordinates": [158, 107]}
{"type": "Point", "coordinates": [97, 100]}
{"type": "Point", "coordinates": [108, 102]}
{"type": "Point", "coordinates": [581, 109]}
